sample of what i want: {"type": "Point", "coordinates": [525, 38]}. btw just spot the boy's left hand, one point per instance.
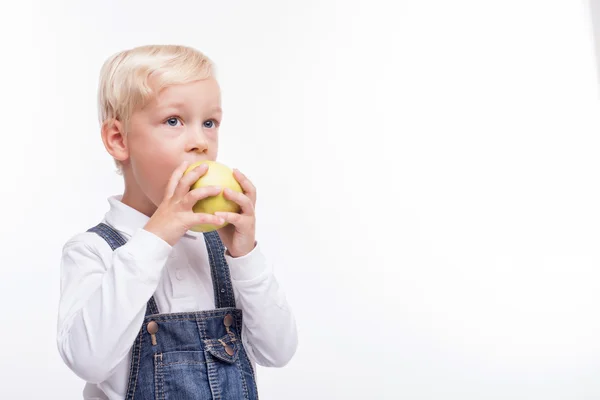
{"type": "Point", "coordinates": [239, 235]}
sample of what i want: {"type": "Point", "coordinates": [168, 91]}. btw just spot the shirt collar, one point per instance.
{"type": "Point", "coordinates": [123, 218]}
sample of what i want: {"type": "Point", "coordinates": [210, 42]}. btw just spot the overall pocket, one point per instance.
{"type": "Point", "coordinates": [180, 375]}
{"type": "Point", "coordinates": [225, 373]}
{"type": "Point", "coordinates": [225, 348]}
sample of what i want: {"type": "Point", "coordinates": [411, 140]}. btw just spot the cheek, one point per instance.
{"type": "Point", "coordinates": [213, 147]}
{"type": "Point", "coordinates": [152, 175]}
{"type": "Point", "coordinates": [152, 164]}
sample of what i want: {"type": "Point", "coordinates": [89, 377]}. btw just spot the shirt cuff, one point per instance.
{"type": "Point", "coordinates": [247, 267]}
{"type": "Point", "coordinates": [148, 251]}
{"type": "Point", "coordinates": [147, 245]}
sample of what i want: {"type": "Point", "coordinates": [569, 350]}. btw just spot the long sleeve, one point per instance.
{"type": "Point", "coordinates": [103, 299]}
{"type": "Point", "coordinates": [269, 333]}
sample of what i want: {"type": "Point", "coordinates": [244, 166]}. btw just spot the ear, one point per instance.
{"type": "Point", "coordinates": [114, 139]}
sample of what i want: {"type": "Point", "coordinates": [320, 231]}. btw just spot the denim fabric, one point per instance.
{"type": "Point", "coordinates": [192, 355]}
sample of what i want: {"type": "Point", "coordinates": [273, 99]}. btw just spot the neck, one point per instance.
{"type": "Point", "coordinates": [134, 197]}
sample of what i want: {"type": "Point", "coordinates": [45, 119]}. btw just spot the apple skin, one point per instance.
{"type": "Point", "coordinates": [217, 175]}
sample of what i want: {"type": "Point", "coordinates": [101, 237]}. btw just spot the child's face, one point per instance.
{"type": "Point", "coordinates": [180, 124]}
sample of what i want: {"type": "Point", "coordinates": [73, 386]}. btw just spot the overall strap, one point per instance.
{"type": "Point", "coordinates": [111, 236]}
{"type": "Point", "coordinates": [220, 271]}
{"type": "Point", "coordinates": [115, 240]}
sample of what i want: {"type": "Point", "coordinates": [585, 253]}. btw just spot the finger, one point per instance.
{"type": "Point", "coordinates": [241, 199]}
{"type": "Point", "coordinates": [202, 218]}
{"type": "Point", "coordinates": [185, 183]}
{"type": "Point", "coordinates": [175, 177]}
{"type": "Point", "coordinates": [247, 186]}
{"type": "Point", "coordinates": [235, 219]}
{"type": "Point", "coordinates": [198, 194]}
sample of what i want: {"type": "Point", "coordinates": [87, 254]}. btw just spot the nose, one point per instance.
{"type": "Point", "coordinates": [197, 142]}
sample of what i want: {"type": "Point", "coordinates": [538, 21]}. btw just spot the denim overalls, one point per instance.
{"type": "Point", "coordinates": [191, 355]}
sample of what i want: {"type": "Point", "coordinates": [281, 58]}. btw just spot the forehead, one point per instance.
{"type": "Point", "coordinates": [199, 93]}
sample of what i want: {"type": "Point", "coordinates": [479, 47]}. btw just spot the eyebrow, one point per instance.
{"type": "Point", "coordinates": [179, 104]}
{"type": "Point", "coordinates": [174, 104]}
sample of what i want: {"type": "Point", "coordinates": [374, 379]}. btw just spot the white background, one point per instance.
{"type": "Point", "coordinates": [427, 173]}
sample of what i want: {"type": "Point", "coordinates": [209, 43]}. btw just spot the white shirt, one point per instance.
{"type": "Point", "coordinates": [104, 296]}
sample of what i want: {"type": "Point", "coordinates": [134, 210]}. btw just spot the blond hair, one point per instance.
{"type": "Point", "coordinates": [125, 78]}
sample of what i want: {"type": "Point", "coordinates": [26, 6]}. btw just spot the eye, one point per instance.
{"type": "Point", "coordinates": [172, 121]}
{"type": "Point", "coordinates": [211, 123]}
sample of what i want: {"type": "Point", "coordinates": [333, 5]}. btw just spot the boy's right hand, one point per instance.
{"type": "Point", "coordinates": [174, 216]}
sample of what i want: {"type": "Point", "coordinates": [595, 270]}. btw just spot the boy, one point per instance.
{"type": "Point", "coordinates": [148, 308]}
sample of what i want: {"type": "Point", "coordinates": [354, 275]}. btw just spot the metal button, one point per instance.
{"type": "Point", "coordinates": [228, 350]}
{"type": "Point", "coordinates": [152, 327]}
{"type": "Point", "coordinates": [228, 321]}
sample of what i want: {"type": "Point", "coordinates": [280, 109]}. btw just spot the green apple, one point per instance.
{"type": "Point", "coordinates": [217, 175]}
